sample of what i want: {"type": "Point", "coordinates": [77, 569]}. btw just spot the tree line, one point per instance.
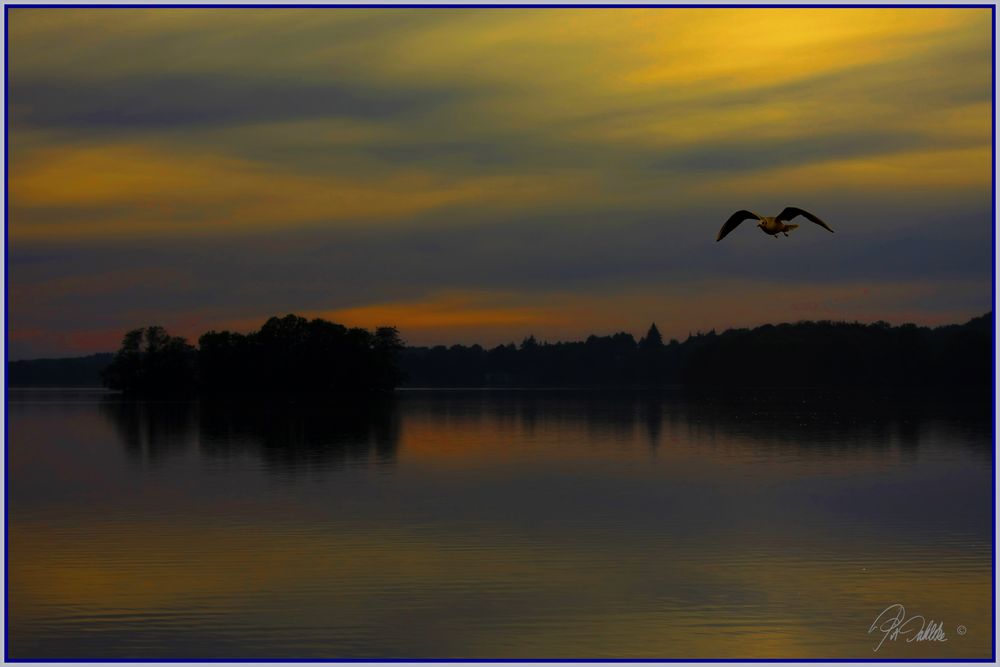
{"type": "Point", "coordinates": [825, 353]}
{"type": "Point", "coordinates": [293, 354]}
{"type": "Point", "coordinates": [67, 372]}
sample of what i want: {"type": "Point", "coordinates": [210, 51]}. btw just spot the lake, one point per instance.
{"type": "Point", "coordinates": [498, 524]}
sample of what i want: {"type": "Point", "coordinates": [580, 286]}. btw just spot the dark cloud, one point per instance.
{"type": "Point", "coordinates": [484, 152]}
{"type": "Point", "coordinates": [749, 154]}
{"type": "Point", "coordinates": [340, 268]}
{"type": "Point", "coordinates": [185, 100]}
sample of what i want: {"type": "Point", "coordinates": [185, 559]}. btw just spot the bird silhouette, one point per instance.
{"type": "Point", "coordinates": [772, 226]}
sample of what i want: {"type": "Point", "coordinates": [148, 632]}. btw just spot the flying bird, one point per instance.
{"type": "Point", "coordinates": [769, 225]}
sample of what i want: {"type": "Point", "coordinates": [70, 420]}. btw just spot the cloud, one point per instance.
{"type": "Point", "coordinates": [129, 190]}
{"type": "Point", "coordinates": [448, 311]}
{"type": "Point", "coordinates": [157, 101]}
{"type": "Point", "coordinates": [756, 154]}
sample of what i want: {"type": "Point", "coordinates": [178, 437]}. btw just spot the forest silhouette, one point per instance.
{"type": "Point", "coordinates": [824, 353]}
{"type": "Point", "coordinates": [295, 355]}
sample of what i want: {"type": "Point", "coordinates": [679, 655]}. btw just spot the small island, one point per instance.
{"type": "Point", "coordinates": [286, 355]}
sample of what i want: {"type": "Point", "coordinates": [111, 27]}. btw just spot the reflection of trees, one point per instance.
{"type": "Point", "coordinates": [287, 435]}
{"type": "Point", "coordinates": [151, 430]}
{"type": "Point", "coordinates": [284, 434]}
{"type": "Point", "coordinates": [321, 434]}
{"type": "Point", "coordinates": [810, 420]}
{"type": "Point", "coordinates": [838, 419]}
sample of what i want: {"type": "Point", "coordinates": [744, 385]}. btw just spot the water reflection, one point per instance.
{"type": "Point", "coordinates": [151, 432]}
{"type": "Point", "coordinates": [496, 524]}
{"type": "Point", "coordinates": [807, 420]}
{"type": "Point", "coordinates": [284, 434]}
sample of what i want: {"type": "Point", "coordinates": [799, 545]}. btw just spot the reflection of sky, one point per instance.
{"type": "Point", "coordinates": [482, 175]}
{"type": "Point", "coordinates": [486, 525]}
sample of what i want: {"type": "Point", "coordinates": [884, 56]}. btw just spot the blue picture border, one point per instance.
{"type": "Point", "coordinates": [6, 220]}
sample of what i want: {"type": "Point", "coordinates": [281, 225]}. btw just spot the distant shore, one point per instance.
{"type": "Point", "coordinates": [816, 354]}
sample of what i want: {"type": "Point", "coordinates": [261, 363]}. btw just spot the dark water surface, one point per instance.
{"type": "Point", "coordinates": [496, 524]}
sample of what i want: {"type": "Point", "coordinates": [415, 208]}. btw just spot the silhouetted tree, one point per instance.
{"type": "Point", "coordinates": [152, 361]}
{"type": "Point", "coordinates": [386, 347]}
{"type": "Point", "coordinates": [225, 360]}
{"type": "Point", "coordinates": [653, 338]}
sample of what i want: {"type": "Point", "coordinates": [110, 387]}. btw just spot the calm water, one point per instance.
{"type": "Point", "coordinates": [485, 524]}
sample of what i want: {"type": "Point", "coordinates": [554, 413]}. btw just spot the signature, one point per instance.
{"type": "Point", "coordinates": [892, 623]}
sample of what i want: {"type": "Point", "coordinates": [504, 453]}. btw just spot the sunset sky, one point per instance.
{"type": "Point", "coordinates": [482, 175]}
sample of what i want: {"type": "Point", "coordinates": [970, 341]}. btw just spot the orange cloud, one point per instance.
{"type": "Point", "coordinates": [451, 310]}
{"type": "Point", "coordinates": [70, 343]}
{"type": "Point", "coordinates": [159, 191]}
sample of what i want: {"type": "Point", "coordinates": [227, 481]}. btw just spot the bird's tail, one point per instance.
{"type": "Point", "coordinates": [789, 228]}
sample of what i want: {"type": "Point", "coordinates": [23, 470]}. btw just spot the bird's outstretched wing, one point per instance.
{"type": "Point", "coordinates": [791, 212]}
{"type": "Point", "coordinates": [734, 220]}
